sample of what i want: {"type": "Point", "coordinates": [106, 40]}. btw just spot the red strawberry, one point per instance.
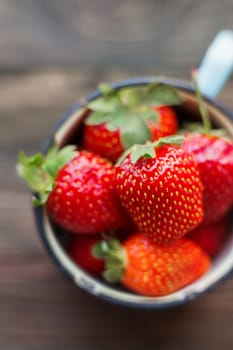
{"type": "Point", "coordinates": [106, 142]}
{"type": "Point", "coordinates": [160, 187]}
{"type": "Point", "coordinates": [78, 187]}
{"type": "Point", "coordinates": [84, 198]}
{"type": "Point", "coordinates": [150, 269]}
{"type": "Point", "coordinates": [81, 253]}
{"type": "Point", "coordinates": [167, 123]}
{"type": "Point", "coordinates": [210, 237]}
{"type": "Point", "coordinates": [101, 140]}
{"type": "Point", "coordinates": [214, 158]}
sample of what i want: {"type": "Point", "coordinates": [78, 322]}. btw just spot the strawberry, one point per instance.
{"type": "Point", "coordinates": [129, 116]}
{"type": "Point", "coordinates": [214, 158]}
{"type": "Point", "coordinates": [167, 123]}
{"type": "Point", "coordinates": [151, 269]}
{"type": "Point", "coordinates": [210, 237]}
{"type": "Point", "coordinates": [160, 187]}
{"type": "Point", "coordinates": [81, 253]}
{"type": "Point", "coordinates": [101, 140]}
{"type": "Point", "coordinates": [106, 142]}
{"type": "Point", "coordinates": [80, 196]}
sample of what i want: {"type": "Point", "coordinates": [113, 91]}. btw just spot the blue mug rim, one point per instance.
{"type": "Point", "coordinates": [38, 211]}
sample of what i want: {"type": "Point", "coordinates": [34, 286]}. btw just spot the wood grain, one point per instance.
{"type": "Point", "coordinates": [133, 34]}
{"type": "Point", "coordinates": [39, 307]}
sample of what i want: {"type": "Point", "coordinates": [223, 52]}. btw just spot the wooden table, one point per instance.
{"type": "Point", "coordinates": [39, 307]}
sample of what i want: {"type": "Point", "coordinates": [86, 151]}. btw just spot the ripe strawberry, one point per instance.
{"type": "Point", "coordinates": [210, 237]}
{"type": "Point", "coordinates": [160, 187]}
{"type": "Point", "coordinates": [151, 269]}
{"type": "Point", "coordinates": [214, 158]}
{"type": "Point", "coordinates": [84, 199]}
{"type": "Point", "coordinates": [80, 194]}
{"type": "Point", "coordinates": [100, 139]}
{"type": "Point", "coordinates": [130, 116]}
{"type": "Point", "coordinates": [81, 253]}
{"type": "Point", "coordinates": [167, 123]}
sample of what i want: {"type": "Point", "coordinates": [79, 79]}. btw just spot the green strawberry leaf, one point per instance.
{"type": "Point", "coordinates": [115, 260]}
{"type": "Point", "coordinates": [58, 158]}
{"type": "Point", "coordinates": [98, 117]}
{"type": "Point", "coordinates": [100, 249]}
{"type": "Point", "coordinates": [107, 89]}
{"type": "Point", "coordinates": [175, 140]}
{"type": "Point", "coordinates": [107, 104]}
{"type": "Point", "coordinates": [131, 96]}
{"type": "Point", "coordinates": [114, 124]}
{"type": "Point", "coordinates": [36, 159]}
{"type": "Point", "coordinates": [145, 151]}
{"type": "Point", "coordinates": [157, 94]}
{"type": "Point", "coordinates": [124, 155]}
{"type": "Point", "coordinates": [113, 275]}
{"type": "Point", "coordinates": [65, 155]}
{"type": "Point", "coordinates": [149, 114]}
{"type": "Point", "coordinates": [119, 120]}
{"type": "Point", "coordinates": [31, 170]}
{"type": "Point", "coordinates": [42, 198]}
{"type": "Point", "coordinates": [134, 131]}
{"type": "Point", "coordinates": [40, 171]}
{"type": "Point", "coordinates": [148, 150]}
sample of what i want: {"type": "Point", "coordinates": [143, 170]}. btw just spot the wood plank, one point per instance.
{"type": "Point", "coordinates": [136, 35]}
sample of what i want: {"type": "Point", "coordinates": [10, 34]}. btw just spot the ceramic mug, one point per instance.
{"type": "Point", "coordinates": [210, 81]}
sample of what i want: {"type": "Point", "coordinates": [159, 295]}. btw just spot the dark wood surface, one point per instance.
{"type": "Point", "coordinates": [138, 34]}
{"type": "Point", "coordinates": [51, 54]}
{"type": "Point", "coordinates": [39, 307]}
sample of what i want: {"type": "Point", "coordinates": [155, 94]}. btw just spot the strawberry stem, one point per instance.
{"type": "Point", "coordinates": [115, 258]}
{"type": "Point", "coordinates": [175, 140]}
{"type": "Point", "coordinates": [201, 104]}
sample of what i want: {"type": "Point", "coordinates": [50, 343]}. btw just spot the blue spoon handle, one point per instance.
{"type": "Point", "coordinates": [217, 64]}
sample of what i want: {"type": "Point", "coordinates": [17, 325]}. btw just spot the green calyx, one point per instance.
{"type": "Point", "coordinates": [148, 150]}
{"type": "Point", "coordinates": [204, 127]}
{"type": "Point", "coordinates": [115, 258]}
{"type": "Point", "coordinates": [39, 171]}
{"type": "Point", "coordinates": [129, 109]}
{"type": "Point", "coordinates": [198, 128]}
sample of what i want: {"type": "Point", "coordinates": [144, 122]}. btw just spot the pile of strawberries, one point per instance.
{"type": "Point", "coordinates": [146, 204]}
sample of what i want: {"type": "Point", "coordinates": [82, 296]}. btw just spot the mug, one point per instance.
{"type": "Point", "coordinates": [213, 73]}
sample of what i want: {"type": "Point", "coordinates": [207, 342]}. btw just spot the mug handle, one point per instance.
{"type": "Point", "coordinates": [217, 64]}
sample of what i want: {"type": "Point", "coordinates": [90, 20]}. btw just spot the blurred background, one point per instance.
{"type": "Point", "coordinates": [52, 52]}
{"type": "Point", "coordinates": [142, 36]}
